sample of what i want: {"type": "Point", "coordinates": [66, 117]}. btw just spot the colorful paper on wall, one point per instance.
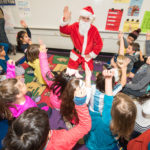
{"type": "Point", "coordinates": [7, 2]}
{"type": "Point", "coordinates": [24, 8]}
{"type": "Point", "coordinates": [121, 1]}
{"type": "Point", "coordinates": [134, 8]}
{"type": "Point", "coordinates": [145, 27]}
{"type": "Point", "coordinates": [113, 19]}
{"type": "Point", "coordinates": [130, 25]}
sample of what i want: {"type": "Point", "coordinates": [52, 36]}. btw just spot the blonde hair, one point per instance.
{"type": "Point", "coordinates": [123, 114]}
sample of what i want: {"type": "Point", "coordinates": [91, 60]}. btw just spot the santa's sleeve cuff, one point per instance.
{"type": "Point", "coordinates": [64, 23]}
{"type": "Point", "coordinates": [93, 55]}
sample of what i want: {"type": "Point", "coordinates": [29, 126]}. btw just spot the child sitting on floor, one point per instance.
{"type": "Point", "coordinates": [34, 62]}
{"type": "Point", "coordinates": [33, 126]}
{"type": "Point", "coordinates": [106, 125]}
{"type": "Point", "coordinates": [56, 83]}
{"type": "Point", "coordinates": [139, 85]}
{"type": "Point", "coordinates": [23, 38]}
{"type": "Point", "coordinates": [13, 94]}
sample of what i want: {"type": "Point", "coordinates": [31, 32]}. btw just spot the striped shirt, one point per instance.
{"type": "Point", "coordinates": [96, 103]}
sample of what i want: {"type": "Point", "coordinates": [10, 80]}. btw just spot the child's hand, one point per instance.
{"type": "Point", "coordinates": [148, 36]}
{"type": "Point", "coordinates": [23, 23]}
{"type": "Point", "coordinates": [67, 14]}
{"type": "Point", "coordinates": [80, 92]}
{"type": "Point", "coordinates": [87, 70]}
{"type": "Point", "coordinates": [30, 42]}
{"type": "Point", "coordinates": [42, 46]}
{"type": "Point", "coordinates": [11, 62]}
{"type": "Point", "coordinates": [108, 73]}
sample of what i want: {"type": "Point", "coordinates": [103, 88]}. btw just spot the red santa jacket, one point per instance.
{"type": "Point", "coordinates": [141, 142]}
{"type": "Point", "coordinates": [94, 41]}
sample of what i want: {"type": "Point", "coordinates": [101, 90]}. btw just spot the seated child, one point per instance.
{"type": "Point", "coordinates": [106, 126]}
{"type": "Point", "coordinates": [13, 94]}
{"type": "Point", "coordinates": [98, 89]}
{"type": "Point", "coordinates": [23, 38]}
{"type": "Point", "coordinates": [130, 53]}
{"type": "Point", "coordinates": [56, 83]}
{"type": "Point", "coordinates": [33, 60]}
{"type": "Point", "coordinates": [131, 38]}
{"type": "Point", "coordinates": [141, 80]}
{"type": "Point", "coordinates": [34, 129]}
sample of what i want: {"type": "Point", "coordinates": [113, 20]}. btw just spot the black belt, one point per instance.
{"type": "Point", "coordinates": [76, 50]}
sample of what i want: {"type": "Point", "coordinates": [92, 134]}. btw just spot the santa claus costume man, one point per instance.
{"type": "Point", "coordinates": [85, 37]}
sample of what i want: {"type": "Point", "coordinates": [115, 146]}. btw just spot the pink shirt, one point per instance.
{"type": "Point", "coordinates": [66, 139]}
{"type": "Point", "coordinates": [16, 112]}
{"type": "Point", "coordinates": [54, 99]}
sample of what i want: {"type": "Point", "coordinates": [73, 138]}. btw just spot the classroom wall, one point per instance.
{"type": "Point", "coordinates": [53, 39]}
{"type": "Point", "coordinates": [44, 19]}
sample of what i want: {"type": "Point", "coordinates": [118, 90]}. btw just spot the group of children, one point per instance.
{"type": "Point", "coordinates": [99, 113]}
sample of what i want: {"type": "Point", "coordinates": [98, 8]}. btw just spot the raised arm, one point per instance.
{"type": "Point", "coordinates": [108, 98]}
{"type": "Point", "coordinates": [64, 27]}
{"type": "Point", "coordinates": [45, 70]}
{"type": "Point", "coordinates": [72, 136]}
{"type": "Point", "coordinates": [108, 74]}
{"type": "Point", "coordinates": [121, 48]}
{"type": "Point", "coordinates": [147, 44]}
{"type": "Point", "coordinates": [23, 23]}
{"type": "Point", "coordinates": [10, 69]}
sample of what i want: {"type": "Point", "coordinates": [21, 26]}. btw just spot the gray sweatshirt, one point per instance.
{"type": "Point", "coordinates": [141, 79]}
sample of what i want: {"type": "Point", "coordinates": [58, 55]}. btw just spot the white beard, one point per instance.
{"type": "Point", "coordinates": [84, 27]}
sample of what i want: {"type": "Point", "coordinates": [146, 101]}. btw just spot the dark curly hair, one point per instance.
{"type": "Point", "coordinates": [60, 81]}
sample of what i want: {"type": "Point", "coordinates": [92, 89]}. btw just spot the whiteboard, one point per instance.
{"type": "Point", "coordinates": [46, 14]}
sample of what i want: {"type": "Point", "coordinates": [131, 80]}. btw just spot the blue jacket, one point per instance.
{"type": "Point", "coordinates": [100, 136]}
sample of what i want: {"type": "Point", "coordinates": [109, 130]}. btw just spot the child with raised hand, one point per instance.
{"type": "Point", "coordinates": [140, 84]}
{"type": "Point", "coordinates": [34, 133]}
{"type": "Point", "coordinates": [13, 94]}
{"type": "Point", "coordinates": [56, 83]}
{"type": "Point", "coordinates": [23, 39]}
{"type": "Point", "coordinates": [67, 108]}
{"type": "Point", "coordinates": [32, 53]}
{"type": "Point", "coordinates": [106, 125]}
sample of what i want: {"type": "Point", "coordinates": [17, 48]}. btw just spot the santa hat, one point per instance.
{"type": "Point", "coordinates": [87, 12]}
{"type": "Point", "coordinates": [135, 33]}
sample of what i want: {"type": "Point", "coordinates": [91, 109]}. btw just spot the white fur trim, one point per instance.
{"type": "Point", "coordinates": [85, 13]}
{"type": "Point", "coordinates": [73, 56]}
{"type": "Point", "coordinates": [93, 55]}
{"type": "Point", "coordinates": [64, 23]}
{"type": "Point", "coordinates": [70, 71]}
{"type": "Point", "coordinates": [84, 43]}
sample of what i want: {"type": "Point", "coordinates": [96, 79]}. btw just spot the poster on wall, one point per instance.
{"type": "Point", "coordinates": [7, 2]}
{"type": "Point", "coordinates": [24, 8]}
{"type": "Point", "coordinates": [113, 19]}
{"type": "Point", "coordinates": [134, 8]}
{"type": "Point", "coordinates": [130, 25]}
{"type": "Point", "coordinates": [121, 1]}
{"type": "Point", "coordinates": [145, 27]}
